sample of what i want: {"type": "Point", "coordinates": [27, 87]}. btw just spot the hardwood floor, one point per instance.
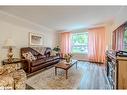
{"type": "Point", "coordinates": [94, 76]}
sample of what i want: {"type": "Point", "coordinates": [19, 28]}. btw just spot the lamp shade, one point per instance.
{"type": "Point", "coordinates": [9, 43]}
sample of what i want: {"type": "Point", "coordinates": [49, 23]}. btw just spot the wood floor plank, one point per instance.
{"type": "Point", "coordinates": [94, 76]}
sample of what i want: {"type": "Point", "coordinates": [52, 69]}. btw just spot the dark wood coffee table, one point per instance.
{"type": "Point", "coordinates": [65, 66]}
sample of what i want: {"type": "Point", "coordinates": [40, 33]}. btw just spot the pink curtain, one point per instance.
{"type": "Point", "coordinates": [114, 40]}
{"type": "Point", "coordinates": [65, 43]}
{"type": "Point", "coordinates": [118, 36]}
{"type": "Point", "coordinates": [96, 45]}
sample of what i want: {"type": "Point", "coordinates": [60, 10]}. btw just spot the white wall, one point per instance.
{"type": "Point", "coordinates": [120, 18]}
{"type": "Point", "coordinates": [12, 27]}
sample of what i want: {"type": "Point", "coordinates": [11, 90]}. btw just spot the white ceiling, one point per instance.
{"type": "Point", "coordinates": [64, 17]}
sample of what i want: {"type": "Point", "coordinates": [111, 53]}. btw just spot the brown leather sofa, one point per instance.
{"type": "Point", "coordinates": [41, 62]}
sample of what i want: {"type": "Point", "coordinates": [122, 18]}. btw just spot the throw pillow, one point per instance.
{"type": "Point", "coordinates": [29, 56]}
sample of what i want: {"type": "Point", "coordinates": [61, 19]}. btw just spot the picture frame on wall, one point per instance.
{"type": "Point", "coordinates": [36, 39]}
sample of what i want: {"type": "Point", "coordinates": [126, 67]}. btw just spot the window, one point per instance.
{"type": "Point", "coordinates": [80, 42]}
{"type": "Point", "coordinates": [125, 40]}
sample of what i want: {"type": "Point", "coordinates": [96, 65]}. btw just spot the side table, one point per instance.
{"type": "Point", "coordinates": [14, 61]}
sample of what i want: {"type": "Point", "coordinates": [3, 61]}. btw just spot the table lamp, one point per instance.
{"type": "Point", "coordinates": [9, 43]}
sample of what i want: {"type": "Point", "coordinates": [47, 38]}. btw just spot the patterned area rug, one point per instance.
{"type": "Point", "coordinates": [48, 80]}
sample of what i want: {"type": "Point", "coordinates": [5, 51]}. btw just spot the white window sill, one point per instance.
{"type": "Point", "coordinates": [81, 53]}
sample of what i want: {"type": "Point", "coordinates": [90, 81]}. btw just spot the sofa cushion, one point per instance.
{"type": "Point", "coordinates": [41, 56]}
{"type": "Point", "coordinates": [29, 56]}
{"type": "Point", "coordinates": [38, 62]}
{"type": "Point", "coordinates": [51, 58]}
{"type": "Point", "coordinates": [38, 67]}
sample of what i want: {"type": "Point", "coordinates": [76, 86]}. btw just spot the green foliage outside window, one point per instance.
{"type": "Point", "coordinates": [125, 40]}
{"type": "Point", "coordinates": [80, 42]}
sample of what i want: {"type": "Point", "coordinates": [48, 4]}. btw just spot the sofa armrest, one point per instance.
{"type": "Point", "coordinates": [28, 65]}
